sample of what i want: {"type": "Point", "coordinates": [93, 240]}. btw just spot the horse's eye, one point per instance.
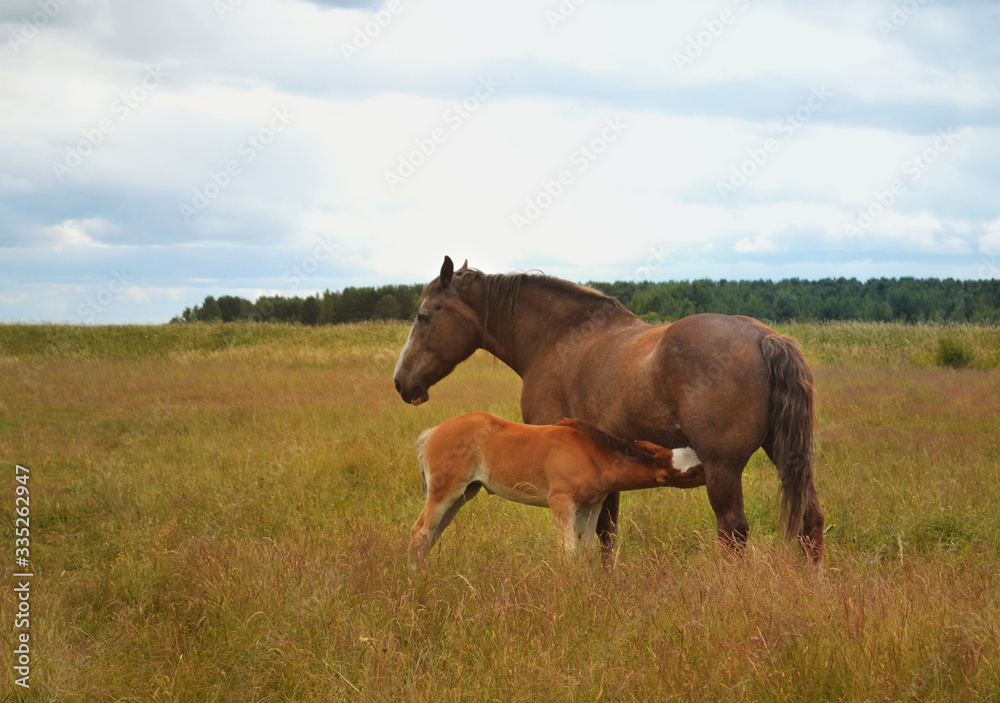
{"type": "Point", "coordinates": [423, 318]}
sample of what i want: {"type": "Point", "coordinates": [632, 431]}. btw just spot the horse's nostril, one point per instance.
{"type": "Point", "coordinates": [398, 387]}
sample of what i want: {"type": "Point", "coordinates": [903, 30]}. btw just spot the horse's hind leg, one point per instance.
{"type": "Point", "coordinates": [811, 535]}
{"type": "Point", "coordinates": [724, 482]}
{"type": "Point", "coordinates": [812, 527]}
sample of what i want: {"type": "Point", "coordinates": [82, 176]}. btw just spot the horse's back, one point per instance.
{"type": "Point", "coordinates": [708, 327]}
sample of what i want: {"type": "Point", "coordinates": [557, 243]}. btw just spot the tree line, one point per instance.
{"type": "Point", "coordinates": [327, 308]}
{"type": "Point", "coordinates": [878, 299]}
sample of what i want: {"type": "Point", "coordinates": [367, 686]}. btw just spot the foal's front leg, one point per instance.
{"type": "Point", "coordinates": [586, 523]}
{"type": "Point", "coordinates": [564, 514]}
{"type": "Point", "coordinates": [575, 523]}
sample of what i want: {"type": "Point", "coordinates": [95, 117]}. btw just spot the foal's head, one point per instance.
{"type": "Point", "coordinates": [446, 332]}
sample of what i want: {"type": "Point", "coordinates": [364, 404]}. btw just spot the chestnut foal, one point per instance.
{"type": "Point", "coordinates": [569, 467]}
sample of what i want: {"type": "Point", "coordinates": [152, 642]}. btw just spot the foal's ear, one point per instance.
{"type": "Point", "coordinates": [465, 266]}
{"type": "Point", "coordinates": [648, 447]}
{"type": "Point", "coordinates": [447, 271]}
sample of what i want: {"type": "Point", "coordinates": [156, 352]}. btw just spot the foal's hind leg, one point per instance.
{"type": "Point", "coordinates": [436, 516]}
{"type": "Point", "coordinates": [470, 492]}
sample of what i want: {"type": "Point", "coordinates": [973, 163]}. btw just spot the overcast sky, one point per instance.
{"type": "Point", "coordinates": [155, 152]}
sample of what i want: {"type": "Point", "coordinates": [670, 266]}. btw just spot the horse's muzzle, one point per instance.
{"type": "Point", "coordinates": [413, 396]}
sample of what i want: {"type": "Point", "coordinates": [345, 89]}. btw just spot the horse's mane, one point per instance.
{"type": "Point", "coordinates": [501, 292]}
{"type": "Point", "coordinates": [611, 442]}
{"type": "Point", "coordinates": [502, 289]}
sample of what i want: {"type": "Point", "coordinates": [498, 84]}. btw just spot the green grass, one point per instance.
{"type": "Point", "coordinates": [954, 354]}
{"type": "Point", "coordinates": [220, 512]}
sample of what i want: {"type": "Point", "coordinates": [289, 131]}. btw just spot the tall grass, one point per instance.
{"type": "Point", "coordinates": [892, 343]}
{"type": "Point", "coordinates": [220, 512]}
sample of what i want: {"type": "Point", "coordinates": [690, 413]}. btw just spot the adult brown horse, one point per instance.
{"type": "Point", "coordinates": [722, 385]}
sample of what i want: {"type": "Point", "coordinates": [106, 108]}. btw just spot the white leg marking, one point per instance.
{"type": "Point", "coordinates": [566, 528]}
{"type": "Point", "coordinates": [582, 523]}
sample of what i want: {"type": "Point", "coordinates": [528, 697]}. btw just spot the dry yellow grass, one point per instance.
{"type": "Point", "coordinates": [221, 513]}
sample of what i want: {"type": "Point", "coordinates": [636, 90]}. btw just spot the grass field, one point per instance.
{"type": "Point", "coordinates": [221, 513]}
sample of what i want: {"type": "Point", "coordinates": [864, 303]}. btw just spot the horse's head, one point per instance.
{"type": "Point", "coordinates": [445, 333]}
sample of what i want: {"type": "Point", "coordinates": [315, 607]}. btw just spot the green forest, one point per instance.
{"type": "Point", "coordinates": [879, 300]}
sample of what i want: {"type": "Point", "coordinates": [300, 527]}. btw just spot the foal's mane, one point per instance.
{"type": "Point", "coordinates": [609, 441]}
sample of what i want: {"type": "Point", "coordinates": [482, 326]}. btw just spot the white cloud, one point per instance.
{"type": "Point", "coordinates": [760, 243]}
{"type": "Point", "coordinates": [324, 177]}
{"type": "Point", "coordinates": [989, 243]}
{"type": "Point", "coordinates": [14, 184]}
{"type": "Point", "coordinates": [74, 234]}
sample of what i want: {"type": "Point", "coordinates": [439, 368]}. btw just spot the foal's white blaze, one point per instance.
{"type": "Point", "coordinates": [685, 459]}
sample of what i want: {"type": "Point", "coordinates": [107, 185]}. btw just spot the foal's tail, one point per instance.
{"type": "Point", "coordinates": [420, 458]}
{"type": "Point", "coordinates": [792, 419]}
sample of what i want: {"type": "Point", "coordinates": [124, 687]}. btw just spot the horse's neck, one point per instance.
{"type": "Point", "coordinates": [544, 319]}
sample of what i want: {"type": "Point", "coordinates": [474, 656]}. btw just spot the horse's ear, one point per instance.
{"type": "Point", "coordinates": [447, 271]}
{"type": "Point", "coordinates": [465, 266]}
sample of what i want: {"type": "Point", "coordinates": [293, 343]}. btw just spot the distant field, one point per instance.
{"type": "Point", "coordinates": [220, 512]}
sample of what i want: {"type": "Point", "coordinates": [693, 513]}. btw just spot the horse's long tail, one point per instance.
{"type": "Point", "coordinates": [792, 419]}
{"type": "Point", "coordinates": [420, 458]}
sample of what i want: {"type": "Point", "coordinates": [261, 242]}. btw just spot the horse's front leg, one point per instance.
{"type": "Point", "coordinates": [607, 529]}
